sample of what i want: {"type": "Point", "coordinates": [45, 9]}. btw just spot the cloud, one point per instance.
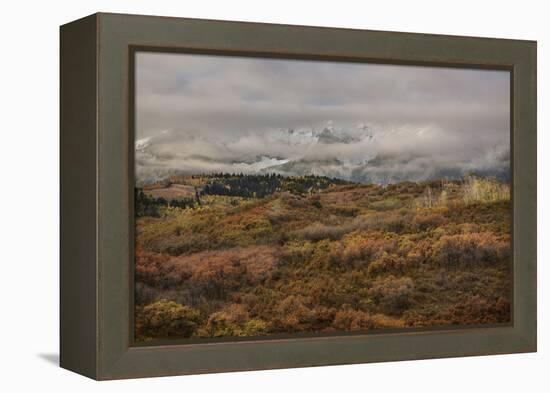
{"type": "Point", "coordinates": [214, 113]}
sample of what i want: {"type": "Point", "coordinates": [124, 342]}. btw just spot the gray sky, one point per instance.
{"type": "Point", "coordinates": [198, 113]}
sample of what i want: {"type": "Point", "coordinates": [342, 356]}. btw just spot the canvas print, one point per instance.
{"type": "Point", "coordinates": [284, 197]}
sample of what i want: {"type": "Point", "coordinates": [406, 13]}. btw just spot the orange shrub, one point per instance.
{"type": "Point", "coordinates": [158, 270]}
{"type": "Point", "coordinates": [292, 314]}
{"type": "Point", "coordinates": [389, 263]}
{"type": "Point", "coordinates": [349, 319]}
{"type": "Point", "coordinates": [367, 247]}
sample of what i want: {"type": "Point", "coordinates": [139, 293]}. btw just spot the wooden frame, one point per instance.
{"type": "Point", "coordinates": [97, 193]}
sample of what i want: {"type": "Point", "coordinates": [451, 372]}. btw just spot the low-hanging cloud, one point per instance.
{"type": "Point", "coordinates": [364, 122]}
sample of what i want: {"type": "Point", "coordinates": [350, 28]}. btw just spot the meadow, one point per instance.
{"type": "Point", "coordinates": [231, 255]}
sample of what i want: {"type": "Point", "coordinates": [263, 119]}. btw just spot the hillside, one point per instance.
{"type": "Point", "coordinates": [238, 255]}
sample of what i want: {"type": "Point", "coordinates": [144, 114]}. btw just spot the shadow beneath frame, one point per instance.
{"type": "Point", "coordinates": [52, 358]}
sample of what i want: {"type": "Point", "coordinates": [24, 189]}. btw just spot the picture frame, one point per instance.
{"type": "Point", "coordinates": [97, 193]}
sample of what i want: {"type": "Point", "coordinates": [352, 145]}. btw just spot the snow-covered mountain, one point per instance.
{"type": "Point", "coordinates": [357, 153]}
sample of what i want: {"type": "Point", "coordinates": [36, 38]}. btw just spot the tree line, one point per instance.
{"type": "Point", "coordinates": [235, 185]}
{"type": "Point", "coordinates": [260, 186]}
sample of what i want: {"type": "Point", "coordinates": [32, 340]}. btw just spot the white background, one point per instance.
{"type": "Point", "coordinates": [29, 195]}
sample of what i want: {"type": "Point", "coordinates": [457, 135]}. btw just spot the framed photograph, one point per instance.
{"type": "Point", "coordinates": [242, 196]}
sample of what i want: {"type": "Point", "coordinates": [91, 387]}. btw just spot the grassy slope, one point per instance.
{"type": "Point", "coordinates": [351, 257]}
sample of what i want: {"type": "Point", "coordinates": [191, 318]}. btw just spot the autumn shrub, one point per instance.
{"type": "Point", "coordinates": [280, 216]}
{"type": "Point", "coordinates": [295, 252]}
{"type": "Point", "coordinates": [321, 318]}
{"type": "Point", "coordinates": [179, 235]}
{"type": "Point", "coordinates": [244, 230]}
{"type": "Point", "coordinates": [321, 287]}
{"type": "Point", "coordinates": [256, 327]}
{"type": "Point", "coordinates": [494, 217]}
{"type": "Point", "coordinates": [366, 247]}
{"type": "Point", "coordinates": [344, 210]}
{"type": "Point", "coordinates": [386, 204]}
{"type": "Point", "coordinates": [210, 273]}
{"type": "Point", "coordinates": [167, 319]}
{"type": "Point", "coordinates": [391, 294]}
{"type": "Point", "coordinates": [157, 270]}
{"type": "Point", "coordinates": [476, 310]}
{"type": "Point", "coordinates": [293, 314]}
{"type": "Point", "coordinates": [294, 201]}
{"type": "Point", "coordinates": [382, 321]}
{"type": "Point", "coordinates": [348, 319]}
{"type": "Point", "coordinates": [423, 222]}
{"type": "Point", "coordinates": [318, 231]}
{"type": "Point", "coordinates": [219, 326]}
{"type": "Point", "coordinates": [478, 189]}
{"type": "Point", "coordinates": [186, 243]}
{"type": "Point", "coordinates": [395, 221]}
{"type": "Point", "coordinates": [389, 263]}
{"type": "Point", "coordinates": [234, 320]}
{"type": "Point", "coordinates": [470, 249]}
{"type": "Point", "coordinates": [254, 262]}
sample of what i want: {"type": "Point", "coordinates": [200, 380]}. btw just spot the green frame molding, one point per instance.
{"type": "Point", "coordinates": [97, 193]}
